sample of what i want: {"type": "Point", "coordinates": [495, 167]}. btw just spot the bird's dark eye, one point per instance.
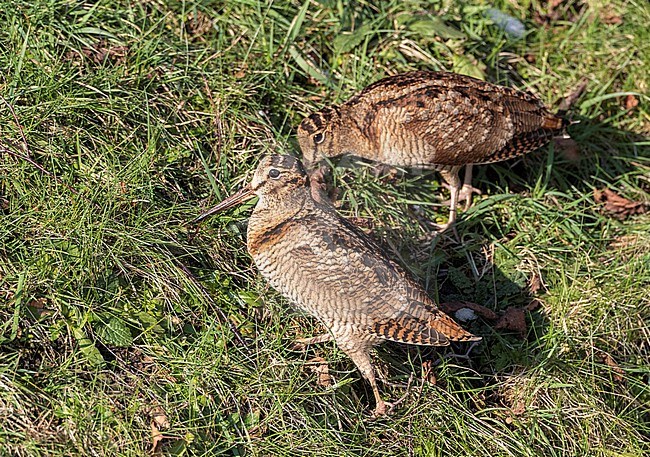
{"type": "Point", "coordinates": [318, 138]}
{"type": "Point", "coordinates": [274, 173]}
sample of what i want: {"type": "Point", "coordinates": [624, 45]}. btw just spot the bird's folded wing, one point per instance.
{"type": "Point", "coordinates": [354, 275]}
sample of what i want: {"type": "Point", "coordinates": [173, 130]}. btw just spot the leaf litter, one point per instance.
{"type": "Point", "coordinates": [619, 207]}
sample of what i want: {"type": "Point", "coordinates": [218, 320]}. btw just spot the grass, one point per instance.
{"type": "Point", "coordinates": [121, 121]}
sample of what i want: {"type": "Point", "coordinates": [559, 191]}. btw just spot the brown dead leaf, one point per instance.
{"type": "Point", "coordinates": [159, 421]}
{"type": "Point", "coordinates": [558, 9]}
{"type": "Point", "coordinates": [241, 71]}
{"type": "Point", "coordinates": [104, 51]}
{"type": "Point", "coordinates": [631, 102]}
{"type": "Point", "coordinates": [318, 365]}
{"type": "Point", "coordinates": [610, 17]}
{"type": "Point", "coordinates": [198, 24]}
{"type": "Point", "coordinates": [551, 14]}
{"type": "Point", "coordinates": [453, 306]}
{"type": "Point", "coordinates": [159, 416]}
{"type": "Point", "coordinates": [514, 319]}
{"type": "Point", "coordinates": [617, 372]}
{"type": "Point", "coordinates": [39, 307]}
{"type": "Point", "coordinates": [519, 408]}
{"type": "Point", "coordinates": [257, 432]}
{"type": "Point", "coordinates": [156, 440]}
{"type": "Point", "coordinates": [535, 282]}
{"type": "Point", "coordinates": [534, 304]}
{"type": "Point", "coordinates": [38, 303]}
{"type": "Point", "coordinates": [617, 206]}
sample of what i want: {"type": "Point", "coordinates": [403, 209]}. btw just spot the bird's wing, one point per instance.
{"type": "Point", "coordinates": [452, 128]}
{"type": "Point", "coordinates": [351, 273]}
{"type": "Point", "coordinates": [456, 119]}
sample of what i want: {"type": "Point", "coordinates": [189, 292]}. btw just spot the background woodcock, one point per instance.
{"type": "Point", "coordinates": [331, 270]}
{"type": "Point", "coordinates": [436, 120]}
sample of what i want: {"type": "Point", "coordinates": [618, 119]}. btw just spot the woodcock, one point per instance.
{"type": "Point", "coordinates": [435, 120]}
{"type": "Point", "coordinates": [333, 271]}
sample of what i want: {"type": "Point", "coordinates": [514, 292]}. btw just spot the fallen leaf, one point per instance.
{"type": "Point", "coordinates": [568, 13]}
{"type": "Point", "coordinates": [257, 432]}
{"type": "Point", "coordinates": [38, 303]}
{"type": "Point", "coordinates": [159, 416]}
{"type": "Point", "coordinates": [198, 24]}
{"type": "Point", "coordinates": [159, 421]}
{"type": "Point", "coordinates": [535, 282]}
{"type": "Point", "coordinates": [104, 51]}
{"type": "Point", "coordinates": [156, 439]}
{"type": "Point", "coordinates": [534, 304]}
{"type": "Point", "coordinates": [631, 102]}
{"type": "Point", "coordinates": [318, 365]}
{"type": "Point", "coordinates": [617, 206]}
{"type": "Point", "coordinates": [610, 17]}
{"type": "Point", "coordinates": [514, 319]}
{"type": "Point", "coordinates": [519, 408]}
{"type": "Point", "coordinates": [452, 307]}
{"type": "Point", "coordinates": [39, 307]}
{"type": "Point", "coordinates": [617, 372]}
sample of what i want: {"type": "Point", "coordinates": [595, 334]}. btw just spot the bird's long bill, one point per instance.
{"type": "Point", "coordinates": [242, 194]}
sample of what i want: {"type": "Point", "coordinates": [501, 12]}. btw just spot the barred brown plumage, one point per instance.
{"type": "Point", "coordinates": [436, 120]}
{"type": "Point", "coordinates": [333, 271]}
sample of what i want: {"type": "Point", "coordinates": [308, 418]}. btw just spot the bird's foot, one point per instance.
{"type": "Point", "coordinates": [383, 408]}
{"type": "Point", "coordinates": [464, 194]}
{"type": "Point", "coordinates": [442, 228]}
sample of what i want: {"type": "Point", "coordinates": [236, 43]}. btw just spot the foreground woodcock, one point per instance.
{"type": "Point", "coordinates": [435, 120]}
{"type": "Point", "coordinates": [334, 272]}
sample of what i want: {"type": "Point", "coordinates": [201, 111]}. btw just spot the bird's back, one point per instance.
{"type": "Point", "coordinates": [436, 118]}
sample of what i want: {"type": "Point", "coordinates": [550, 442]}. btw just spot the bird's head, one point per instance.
{"type": "Point", "coordinates": [277, 177]}
{"type": "Point", "coordinates": [318, 136]}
